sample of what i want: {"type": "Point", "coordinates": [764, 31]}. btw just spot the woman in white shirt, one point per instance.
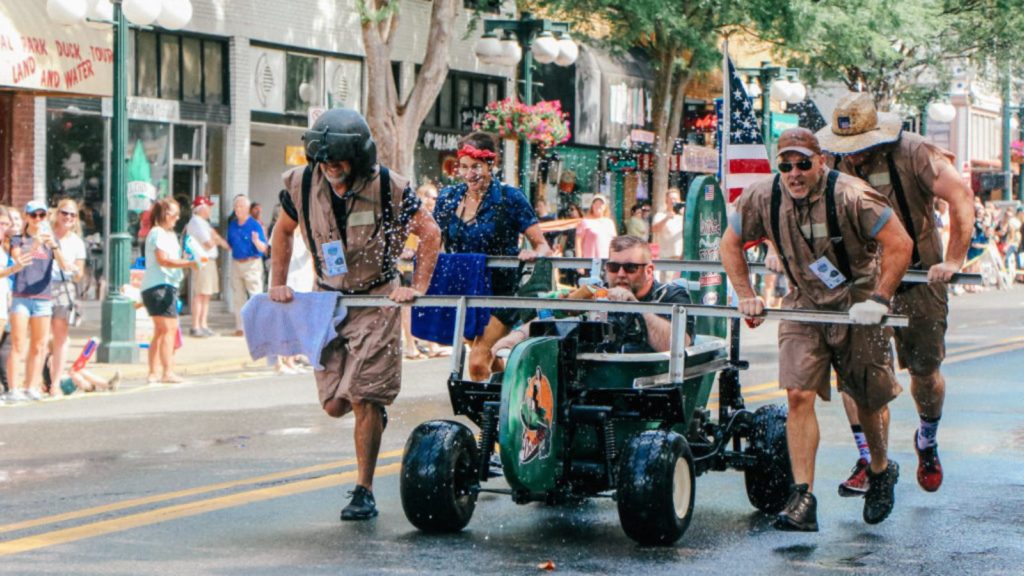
{"type": "Point", "coordinates": [164, 266]}
{"type": "Point", "coordinates": [68, 270]}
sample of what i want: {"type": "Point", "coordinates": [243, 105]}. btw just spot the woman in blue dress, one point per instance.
{"type": "Point", "coordinates": [486, 216]}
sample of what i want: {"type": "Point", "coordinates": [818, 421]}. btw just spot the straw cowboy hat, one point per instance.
{"type": "Point", "coordinates": [857, 126]}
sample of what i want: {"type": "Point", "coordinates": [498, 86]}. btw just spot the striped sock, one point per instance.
{"type": "Point", "coordinates": [927, 433]}
{"type": "Point", "coordinates": [862, 442]}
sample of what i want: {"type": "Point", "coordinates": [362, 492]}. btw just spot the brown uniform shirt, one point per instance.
{"type": "Point", "coordinates": [918, 163]}
{"type": "Point", "coordinates": [363, 364]}
{"type": "Point", "coordinates": [803, 226]}
{"type": "Point", "coordinates": [372, 245]}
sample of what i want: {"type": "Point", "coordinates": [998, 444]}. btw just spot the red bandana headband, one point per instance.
{"type": "Point", "coordinates": [476, 153]}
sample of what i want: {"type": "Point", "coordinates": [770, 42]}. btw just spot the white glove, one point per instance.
{"type": "Point", "coordinates": [868, 312]}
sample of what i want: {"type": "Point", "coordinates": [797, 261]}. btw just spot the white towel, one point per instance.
{"type": "Point", "coordinates": [301, 326]}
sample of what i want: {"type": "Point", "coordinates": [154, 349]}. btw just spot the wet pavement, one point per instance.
{"type": "Point", "coordinates": [242, 474]}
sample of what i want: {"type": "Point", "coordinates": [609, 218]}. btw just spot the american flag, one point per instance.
{"type": "Point", "coordinates": [747, 157]}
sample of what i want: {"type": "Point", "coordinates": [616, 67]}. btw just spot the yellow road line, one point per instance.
{"type": "Point", "coordinates": [982, 353]}
{"type": "Point", "coordinates": [140, 519]}
{"type": "Point", "coordinates": [135, 502]}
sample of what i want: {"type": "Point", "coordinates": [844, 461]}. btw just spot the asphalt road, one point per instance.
{"type": "Point", "coordinates": [243, 474]}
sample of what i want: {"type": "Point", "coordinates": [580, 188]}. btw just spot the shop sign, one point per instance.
{"type": "Point", "coordinates": [704, 226]}
{"type": "Point", "coordinates": [441, 142]}
{"type": "Point", "coordinates": [700, 159]}
{"type": "Point", "coordinates": [295, 156]}
{"type": "Point", "coordinates": [616, 164]}
{"type": "Point", "coordinates": [37, 54]}
{"type": "Point", "coordinates": [145, 109]}
{"type": "Point", "coordinates": [641, 136]}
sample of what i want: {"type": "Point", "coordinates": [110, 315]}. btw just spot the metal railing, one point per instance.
{"type": "Point", "coordinates": [679, 313]}
{"type": "Point", "coordinates": [911, 276]}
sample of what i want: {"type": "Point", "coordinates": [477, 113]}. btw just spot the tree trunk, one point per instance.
{"type": "Point", "coordinates": [662, 104]}
{"type": "Point", "coordinates": [395, 125]}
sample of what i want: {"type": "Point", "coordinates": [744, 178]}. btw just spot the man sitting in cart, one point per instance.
{"type": "Point", "coordinates": [629, 272]}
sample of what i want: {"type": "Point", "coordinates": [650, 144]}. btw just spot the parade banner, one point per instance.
{"type": "Point", "coordinates": [37, 54]}
{"type": "Point", "coordinates": [703, 229]}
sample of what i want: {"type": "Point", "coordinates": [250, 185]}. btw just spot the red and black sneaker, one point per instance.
{"type": "Point", "coordinates": [929, 469]}
{"type": "Point", "coordinates": [857, 484]}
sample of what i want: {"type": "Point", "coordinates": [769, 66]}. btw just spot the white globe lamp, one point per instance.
{"type": "Point", "coordinates": [488, 48]}
{"type": "Point", "coordinates": [175, 14]}
{"type": "Point", "coordinates": [568, 51]}
{"type": "Point", "coordinates": [142, 12]}
{"type": "Point", "coordinates": [545, 48]}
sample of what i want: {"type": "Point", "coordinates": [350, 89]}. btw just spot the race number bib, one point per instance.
{"type": "Point", "coordinates": [334, 258]}
{"type": "Point", "coordinates": [827, 273]}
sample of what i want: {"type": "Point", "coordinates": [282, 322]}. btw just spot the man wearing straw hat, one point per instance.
{"type": "Point", "coordinates": [829, 230]}
{"type": "Point", "coordinates": [911, 172]}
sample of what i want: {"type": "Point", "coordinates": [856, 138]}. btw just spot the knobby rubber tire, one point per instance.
{"type": "Point", "coordinates": [770, 479]}
{"type": "Point", "coordinates": [440, 482]}
{"type": "Point", "coordinates": [656, 487]}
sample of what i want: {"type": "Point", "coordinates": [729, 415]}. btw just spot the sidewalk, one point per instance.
{"type": "Point", "coordinates": [221, 353]}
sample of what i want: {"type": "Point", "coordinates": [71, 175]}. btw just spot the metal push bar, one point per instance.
{"type": "Point", "coordinates": [677, 312]}
{"type": "Point", "coordinates": [911, 276]}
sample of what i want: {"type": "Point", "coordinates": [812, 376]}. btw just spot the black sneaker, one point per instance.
{"type": "Point", "coordinates": [362, 506]}
{"type": "Point", "coordinates": [881, 494]}
{"type": "Point", "coordinates": [800, 513]}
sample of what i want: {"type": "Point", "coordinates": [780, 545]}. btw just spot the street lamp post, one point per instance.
{"type": "Point", "coordinates": [526, 40]}
{"type": "Point", "coordinates": [774, 82]}
{"type": "Point", "coordinates": [117, 330]}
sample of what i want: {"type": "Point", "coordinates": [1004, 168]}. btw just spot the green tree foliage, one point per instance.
{"type": "Point", "coordinates": [682, 39]}
{"type": "Point", "coordinates": [891, 49]}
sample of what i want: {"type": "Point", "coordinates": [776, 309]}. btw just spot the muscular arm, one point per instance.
{"type": "Point", "coordinates": [424, 227]}
{"type": "Point", "coordinates": [537, 241]}
{"type": "Point", "coordinates": [281, 253]}
{"type": "Point", "coordinates": [951, 188]}
{"type": "Point", "coordinates": [659, 332]}
{"type": "Point", "coordinates": [897, 249]}
{"type": "Point", "coordinates": [731, 252]}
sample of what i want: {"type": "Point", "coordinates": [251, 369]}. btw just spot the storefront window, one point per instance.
{"type": "Point", "coordinates": [303, 87]}
{"type": "Point", "coordinates": [191, 70]}
{"type": "Point", "coordinates": [187, 143]}
{"type": "Point", "coordinates": [148, 176]}
{"type": "Point", "coordinates": [213, 72]}
{"type": "Point", "coordinates": [214, 185]}
{"type": "Point", "coordinates": [445, 101]}
{"type": "Point", "coordinates": [145, 65]}
{"type": "Point", "coordinates": [74, 164]}
{"type": "Point", "coordinates": [170, 67]}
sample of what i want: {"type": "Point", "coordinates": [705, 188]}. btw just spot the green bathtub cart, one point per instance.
{"type": "Point", "coordinates": [574, 418]}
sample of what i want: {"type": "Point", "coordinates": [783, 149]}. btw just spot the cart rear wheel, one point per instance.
{"type": "Point", "coordinates": [656, 487]}
{"type": "Point", "coordinates": [769, 480]}
{"type": "Point", "coordinates": [440, 482]}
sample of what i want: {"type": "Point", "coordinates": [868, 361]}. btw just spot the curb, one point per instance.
{"type": "Point", "coordinates": [140, 371]}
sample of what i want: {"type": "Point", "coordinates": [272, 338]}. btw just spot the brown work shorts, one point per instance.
{"type": "Point", "coordinates": [921, 346]}
{"type": "Point", "coordinates": [364, 363]}
{"type": "Point", "coordinates": [861, 356]}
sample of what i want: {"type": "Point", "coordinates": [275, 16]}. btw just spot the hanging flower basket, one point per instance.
{"type": "Point", "coordinates": [1017, 151]}
{"type": "Point", "coordinates": [543, 124]}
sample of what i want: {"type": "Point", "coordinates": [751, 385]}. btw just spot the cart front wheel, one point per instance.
{"type": "Point", "coordinates": [656, 487]}
{"type": "Point", "coordinates": [769, 480]}
{"type": "Point", "coordinates": [439, 482]}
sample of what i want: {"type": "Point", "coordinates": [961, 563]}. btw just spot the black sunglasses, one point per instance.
{"type": "Point", "coordinates": [629, 267]}
{"type": "Point", "coordinates": [40, 214]}
{"type": "Point", "coordinates": [804, 165]}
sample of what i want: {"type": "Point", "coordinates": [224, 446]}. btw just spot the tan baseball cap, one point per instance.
{"type": "Point", "coordinates": [858, 126]}
{"type": "Point", "coordinates": [799, 140]}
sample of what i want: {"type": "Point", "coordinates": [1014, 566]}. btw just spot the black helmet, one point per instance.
{"type": "Point", "coordinates": [342, 134]}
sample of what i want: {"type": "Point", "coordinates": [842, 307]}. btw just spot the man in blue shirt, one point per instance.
{"type": "Point", "coordinates": [248, 244]}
